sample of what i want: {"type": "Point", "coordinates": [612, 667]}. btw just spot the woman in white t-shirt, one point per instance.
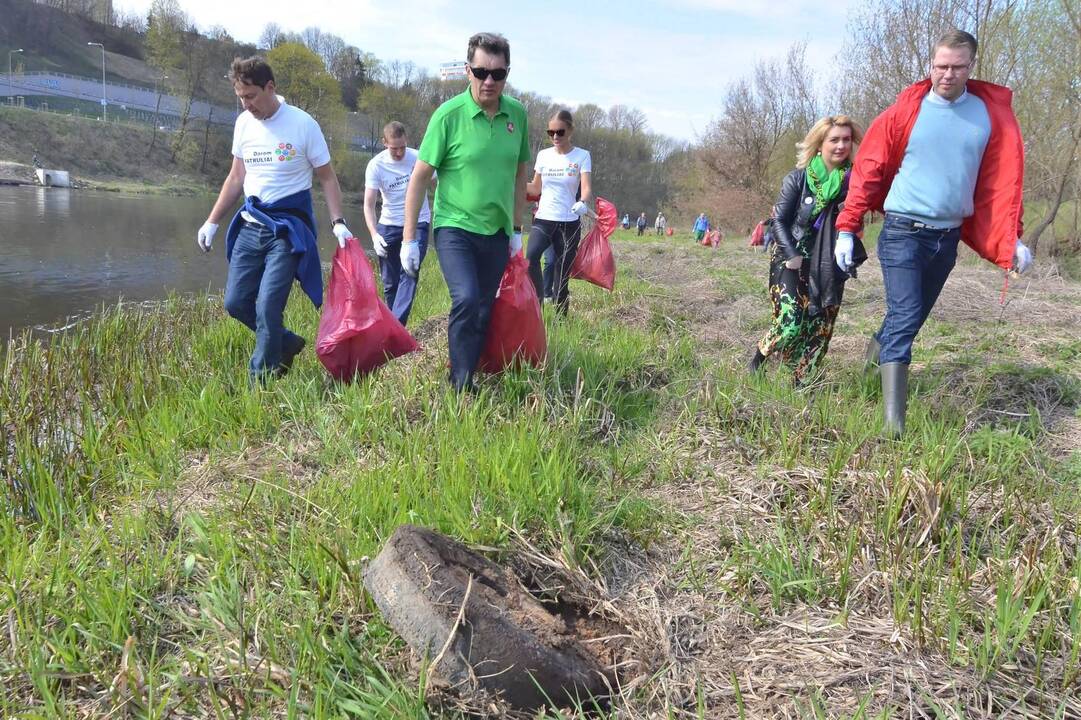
{"type": "Point", "coordinates": [562, 179]}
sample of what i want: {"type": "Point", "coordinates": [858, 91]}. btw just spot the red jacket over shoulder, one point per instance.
{"type": "Point", "coordinates": [995, 224]}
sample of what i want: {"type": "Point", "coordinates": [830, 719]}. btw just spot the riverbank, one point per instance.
{"type": "Point", "coordinates": [124, 157]}
{"type": "Point", "coordinates": [198, 544]}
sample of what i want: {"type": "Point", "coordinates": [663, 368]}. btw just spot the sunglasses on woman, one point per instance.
{"type": "Point", "coordinates": [557, 133]}
{"type": "Point", "coordinates": [498, 74]}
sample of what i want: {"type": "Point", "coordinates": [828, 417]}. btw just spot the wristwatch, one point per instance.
{"type": "Point", "coordinates": [335, 221]}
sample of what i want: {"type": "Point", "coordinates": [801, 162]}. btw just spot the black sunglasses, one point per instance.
{"type": "Point", "coordinates": [499, 74]}
{"type": "Point", "coordinates": [560, 132]}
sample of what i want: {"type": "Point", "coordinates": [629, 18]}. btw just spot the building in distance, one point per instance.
{"type": "Point", "coordinates": [454, 70]}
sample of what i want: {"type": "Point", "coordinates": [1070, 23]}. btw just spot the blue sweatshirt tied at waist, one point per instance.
{"type": "Point", "coordinates": [293, 217]}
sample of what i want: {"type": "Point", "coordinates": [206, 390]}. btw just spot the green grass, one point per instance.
{"type": "Point", "coordinates": [174, 540]}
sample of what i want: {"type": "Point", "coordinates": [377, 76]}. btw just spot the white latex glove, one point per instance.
{"type": "Point", "coordinates": [1022, 258]}
{"type": "Point", "coordinates": [795, 263]}
{"type": "Point", "coordinates": [842, 251]}
{"type": "Point", "coordinates": [205, 238]}
{"type": "Point", "coordinates": [342, 233]}
{"type": "Point", "coordinates": [380, 245]}
{"type": "Point", "coordinates": [579, 208]}
{"type": "Point", "coordinates": [410, 256]}
{"type": "Point", "coordinates": [515, 244]}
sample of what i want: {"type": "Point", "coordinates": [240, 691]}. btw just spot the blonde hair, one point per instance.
{"type": "Point", "coordinates": [808, 147]}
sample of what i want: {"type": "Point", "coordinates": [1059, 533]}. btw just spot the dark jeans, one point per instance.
{"type": "Point", "coordinates": [564, 237]}
{"type": "Point", "coordinates": [472, 265]}
{"type": "Point", "coordinates": [261, 272]}
{"type": "Point", "coordinates": [549, 270]}
{"type": "Point", "coordinates": [916, 260]}
{"type": "Point", "coordinates": [399, 289]}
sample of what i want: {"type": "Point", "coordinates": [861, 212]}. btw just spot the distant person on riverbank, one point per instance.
{"type": "Point", "coordinates": [479, 144]}
{"type": "Point", "coordinates": [641, 224]}
{"type": "Point", "coordinates": [701, 227]}
{"type": "Point", "coordinates": [805, 286]}
{"type": "Point", "coordinates": [626, 223]}
{"type": "Point", "coordinates": [387, 176]}
{"type": "Point", "coordinates": [660, 224]}
{"type": "Point", "coordinates": [276, 150]}
{"type": "Point", "coordinates": [562, 177]}
{"type": "Point", "coordinates": [945, 163]}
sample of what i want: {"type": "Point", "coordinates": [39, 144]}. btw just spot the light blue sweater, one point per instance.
{"type": "Point", "coordinates": [941, 162]}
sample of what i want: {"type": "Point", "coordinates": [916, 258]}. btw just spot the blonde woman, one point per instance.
{"type": "Point", "coordinates": [805, 284]}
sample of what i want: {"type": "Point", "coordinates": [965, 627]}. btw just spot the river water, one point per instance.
{"type": "Point", "coordinates": [65, 253]}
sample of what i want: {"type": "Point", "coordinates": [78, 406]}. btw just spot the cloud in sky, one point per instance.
{"type": "Point", "coordinates": [673, 60]}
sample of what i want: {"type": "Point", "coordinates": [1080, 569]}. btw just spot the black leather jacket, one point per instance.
{"type": "Point", "coordinates": [792, 220]}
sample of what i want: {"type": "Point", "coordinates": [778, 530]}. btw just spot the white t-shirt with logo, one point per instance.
{"type": "Point", "coordinates": [391, 178]}
{"type": "Point", "coordinates": [279, 153]}
{"type": "Point", "coordinates": [560, 177]}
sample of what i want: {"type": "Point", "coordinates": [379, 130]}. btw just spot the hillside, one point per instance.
{"type": "Point", "coordinates": [57, 41]}
{"type": "Point", "coordinates": [109, 154]}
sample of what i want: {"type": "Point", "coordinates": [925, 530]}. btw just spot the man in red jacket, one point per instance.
{"type": "Point", "coordinates": [945, 163]}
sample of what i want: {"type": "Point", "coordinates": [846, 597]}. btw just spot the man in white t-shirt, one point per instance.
{"type": "Point", "coordinates": [271, 239]}
{"type": "Point", "coordinates": [387, 176]}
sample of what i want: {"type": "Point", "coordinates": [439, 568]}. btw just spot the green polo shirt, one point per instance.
{"type": "Point", "coordinates": [477, 160]}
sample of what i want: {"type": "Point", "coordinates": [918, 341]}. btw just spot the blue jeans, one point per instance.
{"type": "Point", "coordinates": [399, 289]}
{"type": "Point", "coordinates": [916, 260]}
{"type": "Point", "coordinates": [261, 272]}
{"type": "Point", "coordinates": [472, 265]}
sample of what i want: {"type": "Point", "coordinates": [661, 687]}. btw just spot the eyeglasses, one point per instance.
{"type": "Point", "coordinates": [498, 74]}
{"type": "Point", "coordinates": [557, 133]}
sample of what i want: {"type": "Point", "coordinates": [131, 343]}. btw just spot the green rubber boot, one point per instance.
{"type": "Point", "coordinates": [895, 397]}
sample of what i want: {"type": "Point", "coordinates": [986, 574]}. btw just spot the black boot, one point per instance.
{"type": "Point", "coordinates": [756, 361]}
{"type": "Point", "coordinates": [874, 349]}
{"type": "Point", "coordinates": [895, 397]}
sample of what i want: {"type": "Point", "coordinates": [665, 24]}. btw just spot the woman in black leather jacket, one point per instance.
{"type": "Point", "coordinates": [805, 284]}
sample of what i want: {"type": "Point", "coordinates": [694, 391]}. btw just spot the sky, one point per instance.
{"type": "Point", "coordinates": [673, 60]}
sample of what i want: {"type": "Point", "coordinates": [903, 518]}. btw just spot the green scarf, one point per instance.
{"type": "Point", "coordinates": [825, 184]}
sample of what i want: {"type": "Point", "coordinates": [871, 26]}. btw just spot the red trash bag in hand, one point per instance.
{"type": "Point", "coordinates": [594, 262]}
{"type": "Point", "coordinates": [516, 328]}
{"type": "Point", "coordinates": [357, 331]}
{"type": "Point", "coordinates": [758, 237]}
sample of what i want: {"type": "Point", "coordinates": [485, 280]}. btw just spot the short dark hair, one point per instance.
{"type": "Point", "coordinates": [251, 71]}
{"type": "Point", "coordinates": [491, 43]}
{"type": "Point", "coordinates": [393, 129]}
{"type": "Point", "coordinates": [955, 39]}
{"type": "Point", "coordinates": [564, 116]}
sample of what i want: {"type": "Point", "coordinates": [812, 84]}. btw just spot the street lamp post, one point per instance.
{"type": "Point", "coordinates": [11, 90]}
{"type": "Point", "coordinates": [104, 102]}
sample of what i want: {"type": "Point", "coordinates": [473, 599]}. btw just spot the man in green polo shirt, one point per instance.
{"type": "Point", "coordinates": [478, 143]}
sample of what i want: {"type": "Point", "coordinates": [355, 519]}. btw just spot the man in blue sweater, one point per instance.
{"type": "Point", "coordinates": [945, 163]}
{"type": "Point", "coordinates": [276, 150]}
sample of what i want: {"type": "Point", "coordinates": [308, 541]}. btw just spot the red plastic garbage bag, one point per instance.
{"type": "Point", "coordinates": [758, 237]}
{"type": "Point", "coordinates": [516, 329]}
{"type": "Point", "coordinates": [669, 232]}
{"type": "Point", "coordinates": [357, 331]}
{"type": "Point", "coordinates": [594, 262]}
